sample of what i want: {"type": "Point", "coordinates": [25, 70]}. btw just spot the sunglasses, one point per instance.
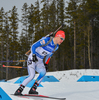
{"type": "Point", "coordinates": [62, 38]}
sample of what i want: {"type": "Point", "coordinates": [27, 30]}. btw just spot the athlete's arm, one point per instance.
{"type": "Point", "coordinates": [38, 44]}
{"type": "Point", "coordinates": [48, 57]}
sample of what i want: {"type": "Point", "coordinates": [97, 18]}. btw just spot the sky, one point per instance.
{"type": "Point", "coordinates": [9, 4]}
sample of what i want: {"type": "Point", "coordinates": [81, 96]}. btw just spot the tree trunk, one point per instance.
{"type": "Point", "coordinates": [92, 46]}
{"type": "Point", "coordinates": [7, 54]}
{"type": "Point", "coordinates": [89, 56]}
{"type": "Point", "coordinates": [84, 52]}
{"type": "Point", "coordinates": [74, 44]}
{"type": "Point", "coordinates": [1, 60]}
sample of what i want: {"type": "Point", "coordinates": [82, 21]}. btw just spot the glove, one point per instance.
{"type": "Point", "coordinates": [34, 58]}
{"type": "Point", "coordinates": [46, 67]}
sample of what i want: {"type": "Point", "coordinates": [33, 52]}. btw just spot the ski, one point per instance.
{"type": "Point", "coordinates": [40, 96]}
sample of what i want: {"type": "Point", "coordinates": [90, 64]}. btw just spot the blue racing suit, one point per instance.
{"type": "Point", "coordinates": [40, 51]}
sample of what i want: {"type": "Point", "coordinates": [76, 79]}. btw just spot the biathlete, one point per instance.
{"type": "Point", "coordinates": [39, 50]}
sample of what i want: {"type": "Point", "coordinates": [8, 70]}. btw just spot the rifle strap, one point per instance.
{"type": "Point", "coordinates": [49, 42]}
{"type": "Point", "coordinates": [27, 53]}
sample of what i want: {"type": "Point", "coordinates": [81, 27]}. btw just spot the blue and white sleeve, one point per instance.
{"type": "Point", "coordinates": [38, 44]}
{"type": "Point", "coordinates": [48, 57]}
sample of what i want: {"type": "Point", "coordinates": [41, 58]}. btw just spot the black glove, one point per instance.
{"type": "Point", "coordinates": [34, 59]}
{"type": "Point", "coordinates": [46, 67]}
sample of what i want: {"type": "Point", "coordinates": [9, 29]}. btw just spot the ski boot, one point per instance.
{"type": "Point", "coordinates": [19, 90]}
{"type": "Point", "coordinates": [33, 89]}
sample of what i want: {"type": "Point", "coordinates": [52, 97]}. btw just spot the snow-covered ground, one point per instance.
{"type": "Point", "coordinates": [68, 86]}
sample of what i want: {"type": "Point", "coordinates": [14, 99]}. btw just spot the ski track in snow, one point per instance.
{"type": "Point", "coordinates": [68, 87]}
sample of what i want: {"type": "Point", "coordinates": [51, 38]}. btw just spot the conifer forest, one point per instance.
{"type": "Point", "coordinates": [80, 50]}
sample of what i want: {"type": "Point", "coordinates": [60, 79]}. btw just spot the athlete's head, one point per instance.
{"type": "Point", "coordinates": [60, 36]}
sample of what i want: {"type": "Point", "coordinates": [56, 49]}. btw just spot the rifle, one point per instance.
{"type": "Point", "coordinates": [50, 34]}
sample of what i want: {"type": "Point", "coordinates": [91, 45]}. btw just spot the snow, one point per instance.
{"type": "Point", "coordinates": [68, 87]}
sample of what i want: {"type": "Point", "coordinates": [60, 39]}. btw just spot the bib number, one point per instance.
{"type": "Point", "coordinates": [44, 53]}
{"type": "Point", "coordinates": [29, 62]}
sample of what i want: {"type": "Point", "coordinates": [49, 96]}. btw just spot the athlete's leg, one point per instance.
{"type": "Point", "coordinates": [31, 72]}
{"type": "Point", "coordinates": [40, 68]}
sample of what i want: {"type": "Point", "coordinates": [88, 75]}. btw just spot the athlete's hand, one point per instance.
{"type": "Point", "coordinates": [34, 58]}
{"type": "Point", "coordinates": [46, 67]}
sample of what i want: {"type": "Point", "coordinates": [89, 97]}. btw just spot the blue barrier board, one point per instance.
{"type": "Point", "coordinates": [88, 78]}
{"type": "Point", "coordinates": [30, 84]}
{"type": "Point", "coordinates": [49, 78]}
{"type": "Point", "coordinates": [4, 95]}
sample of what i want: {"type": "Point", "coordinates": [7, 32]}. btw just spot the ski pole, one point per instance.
{"type": "Point", "coordinates": [15, 61]}
{"type": "Point", "coordinates": [14, 66]}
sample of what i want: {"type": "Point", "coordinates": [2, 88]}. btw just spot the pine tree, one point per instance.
{"type": "Point", "coordinates": [24, 39]}
{"type": "Point", "coordinates": [72, 15]}
{"type": "Point", "coordinates": [13, 44]}
{"type": "Point", "coordinates": [37, 21]}
{"type": "Point", "coordinates": [7, 33]}
{"type": "Point", "coordinates": [45, 17]}
{"type": "Point", "coordinates": [83, 36]}
{"type": "Point", "coordinates": [60, 18]}
{"type": "Point", "coordinates": [60, 11]}
{"type": "Point", "coordinates": [92, 6]}
{"type": "Point", "coordinates": [24, 19]}
{"type": "Point", "coordinates": [84, 16]}
{"type": "Point", "coordinates": [31, 24]}
{"type": "Point", "coordinates": [1, 39]}
{"type": "Point", "coordinates": [85, 28]}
